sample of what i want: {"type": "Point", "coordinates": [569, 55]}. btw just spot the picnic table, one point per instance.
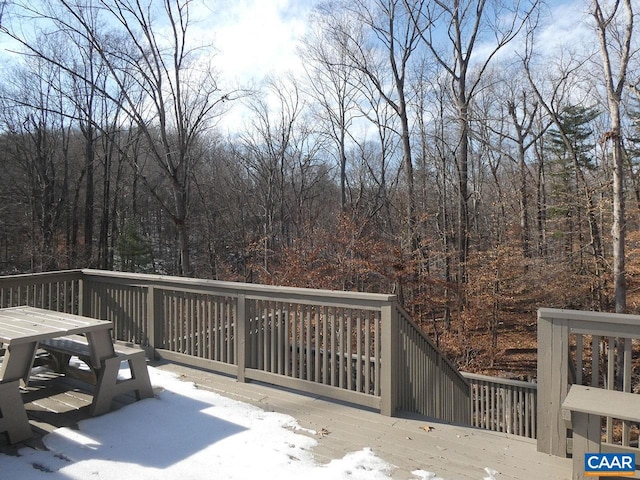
{"type": "Point", "coordinates": [23, 329]}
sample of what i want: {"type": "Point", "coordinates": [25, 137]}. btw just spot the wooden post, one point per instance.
{"type": "Point", "coordinates": [389, 358]}
{"type": "Point", "coordinates": [586, 435]}
{"type": "Point", "coordinates": [84, 296]}
{"type": "Point", "coordinates": [155, 318]}
{"type": "Point", "coordinates": [242, 337]}
{"type": "Point", "coordinates": [553, 378]}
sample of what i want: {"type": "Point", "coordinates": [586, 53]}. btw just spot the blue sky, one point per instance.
{"type": "Point", "coordinates": [255, 38]}
{"type": "Point", "coordinates": [259, 37]}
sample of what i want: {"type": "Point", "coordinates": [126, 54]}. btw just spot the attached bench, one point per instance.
{"type": "Point", "coordinates": [583, 409]}
{"type": "Point", "coordinates": [109, 385]}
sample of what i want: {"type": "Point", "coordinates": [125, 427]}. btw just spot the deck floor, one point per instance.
{"type": "Point", "coordinates": [451, 452]}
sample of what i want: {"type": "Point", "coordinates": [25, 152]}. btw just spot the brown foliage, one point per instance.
{"type": "Point", "coordinates": [496, 332]}
{"type": "Point", "coordinates": [489, 327]}
{"type": "Point", "coordinates": [346, 256]}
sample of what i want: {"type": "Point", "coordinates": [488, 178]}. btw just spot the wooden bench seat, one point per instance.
{"type": "Point", "coordinates": [583, 409]}
{"type": "Point", "coordinates": [105, 375]}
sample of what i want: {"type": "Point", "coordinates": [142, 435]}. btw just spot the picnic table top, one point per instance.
{"type": "Point", "coordinates": [29, 324]}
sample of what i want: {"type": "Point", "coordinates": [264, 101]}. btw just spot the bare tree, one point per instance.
{"type": "Point", "coordinates": [38, 161]}
{"type": "Point", "coordinates": [615, 49]}
{"type": "Point", "coordinates": [381, 51]}
{"type": "Point", "coordinates": [464, 24]}
{"type": "Point", "coordinates": [266, 154]}
{"type": "Point", "coordinates": [380, 175]}
{"type": "Point", "coordinates": [557, 96]}
{"type": "Point", "coordinates": [513, 114]}
{"type": "Point", "coordinates": [147, 54]}
{"type": "Point", "coordinates": [333, 86]}
{"type": "Point", "coordinates": [84, 96]}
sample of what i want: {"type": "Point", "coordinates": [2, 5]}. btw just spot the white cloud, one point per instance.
{"type": "Point", "coordinates": [256, 38]}
{"type": "Point", "coordinates": [568, 25]}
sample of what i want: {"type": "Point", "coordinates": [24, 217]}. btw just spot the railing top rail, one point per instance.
{"type": "Point", "coordinates": [499, 380]}
{"type": "Point", "coordinates": [587, 316]}
{"type": "Point", "coordinates": [34, 277]}
{"type": "Point", "coordinates": [595, 323]}
{"type": "Point", "coordinates": [249, 289]}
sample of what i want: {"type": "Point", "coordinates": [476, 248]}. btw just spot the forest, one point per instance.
{"type": "Point", "coordinates": [470, 156]}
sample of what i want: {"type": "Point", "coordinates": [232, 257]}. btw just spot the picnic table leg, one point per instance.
{"type": "Point", "coordinates": [108, 385]}
{"type": "Point", "coordinates": [13, 418]}
{"type": "Point", "coordinates": [105, 386]}
{"type": "Point", "coordinates": [17, 362]}
{"type": "Point", "coordinates": [100, 346]}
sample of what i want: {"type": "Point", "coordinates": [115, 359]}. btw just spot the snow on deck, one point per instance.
{"type": "Point", "coordinates": [334, 435]}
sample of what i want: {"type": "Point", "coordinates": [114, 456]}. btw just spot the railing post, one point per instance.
{"type": "Point", "coordinates": [84, 297]}
{"type": "Point", "coordinates": [553, 370]}
{"type": "Point", "coordinates": [155, 318]}
{"type": "Point", "coordinates": [242, 337]}
{"type": "Point", "coordinates": [389, 359]}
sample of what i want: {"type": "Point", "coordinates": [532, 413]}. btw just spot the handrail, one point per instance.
{"type": "Point", "coordinates": [407, 317]}
{"type": "Point", "coordinates": [206, 285]}
{"type": "Point", "coordinates": [507, 382]}
{"type": "Point", "coordinates": [428, 383]}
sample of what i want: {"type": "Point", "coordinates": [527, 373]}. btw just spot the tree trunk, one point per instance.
{"type": "Point", "coordinates": [605, 24]}
{"type": "Point", "coordinates": [408, 171]}
{"type": "Point", "coordinates": [89, 194]}
{"type": "Point", "coordinates": [541, 208]}
{"type": "Point", "coordinates": [463, 192]}
{"type": "Point", "coordinates": [619, 222]}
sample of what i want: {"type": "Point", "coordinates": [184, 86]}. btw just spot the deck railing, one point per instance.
{"type": "Point", "coordinates": [503, 405]}
{"type": "Point", "coordinates": [426, 381]}
{"type": "Point", "coordinates": [356, 347]}
{"type": "Point", "coordinates": [361, 348]}
{"type": "Point", "coordinates": [57, 291]}
{"type": "Point", "coordinates": [589, 348]}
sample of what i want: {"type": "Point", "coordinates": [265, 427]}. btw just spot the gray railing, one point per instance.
{"type": "Point", "coordinates": [503, 405]}
{"type": "Point", "coordinates": [427, 382]}
{"type": "Point", "coordinates": [590, 348]}
{"type": "Point", "coordinates": [57, 291]}
{"type": "Point", "coordinates": [361, 348]}
{"type": "Point", "coordinates": [356, 347]}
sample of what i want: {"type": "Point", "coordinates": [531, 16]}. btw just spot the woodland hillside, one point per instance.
{"type": "Point", "coordinates": [475, 157]}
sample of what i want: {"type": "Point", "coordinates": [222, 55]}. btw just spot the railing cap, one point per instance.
{"type": "Point", "coordinates": [583, 315]}
{"type": "Point", "coordinates": [500, 381]}
{"type": "Point", "coordinates": [239, 286]}
{"type": "Point", "coordinates": [29, 276]}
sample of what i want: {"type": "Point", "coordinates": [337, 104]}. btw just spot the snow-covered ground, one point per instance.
{"type": "Point", "coordinates": [189, 434]}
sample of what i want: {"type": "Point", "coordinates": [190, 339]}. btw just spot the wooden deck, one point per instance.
{"type": "Point", "coordinates": [451, 452]}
